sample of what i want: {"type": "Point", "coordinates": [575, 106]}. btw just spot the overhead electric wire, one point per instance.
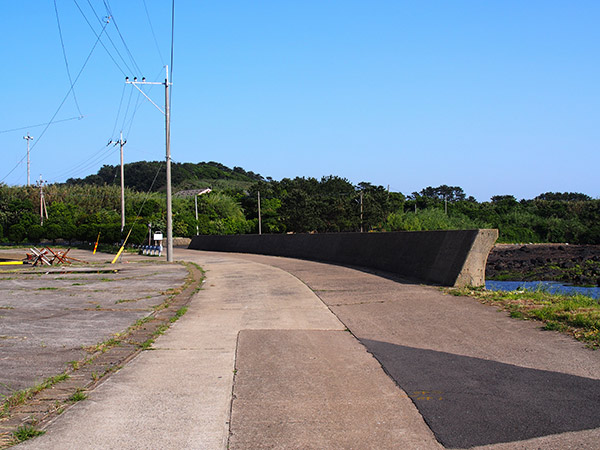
{"type": "Point", "coordinates": [41, 124]}
{"type": "Point", "coordinates": [172, 38]}
{"type": "Point", "coordinates": [99, 155]}
{"type": "Point", "coordinates": [162, 60]}
{"type": "Point", "coordinates": [119, 111]}
{"type": "Point", "coordinates": [102, 43]}
{"type": "Point", "coordinates": [108, 9]}
{"type": "Point", "coordinates": [138, 104]}
{"type": "Point", "coordinates": [138, 215]}
{"type": "Point", "coordinates": [59, 106]}
{"type": "Point", "coordinates": [108, 35]}
{"type": "Point", "coordinates": [135, 110]}
{"type": "Point", "coordinates": [62, 43]}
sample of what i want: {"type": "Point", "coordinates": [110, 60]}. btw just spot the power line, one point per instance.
{"type": "Point", "coordinates": [172, 38]}
{"type": "Point", "coordinates": [99, 155]}
{"type": "Point", "coordinates": [118, 111]}
{"type": "Point", "coordinates": [102, 43]}
{"type": "Point", "coordinates": [162, 60]}
{"type": "Point", "coordinates": [59, 106]}
{"type": "Point", "coordinates": [62, 43]}
{"type": "Point", "coordinates": [108, 35]}
{"type": "Point", "coordinates": [41, 124]}
{"type": "Point", "coordinates": [108, 9]}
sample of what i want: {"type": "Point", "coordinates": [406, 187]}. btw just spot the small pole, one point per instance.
{"type": "Point", "coordinates": [361, 211]}
{"type": "Point", "coordinates": [150, 234]}
{"type": "Point", "coordinates": [28, 138]}
{"type": "Point", "coordinates": [42, 201]}
{"type": "Point", "coordinates": [259, 218]}
{"type": "Point", "coordinates": [196, 204]}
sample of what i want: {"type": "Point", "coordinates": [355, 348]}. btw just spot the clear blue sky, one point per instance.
{"type": "Point", "coordinates": [498, 97]}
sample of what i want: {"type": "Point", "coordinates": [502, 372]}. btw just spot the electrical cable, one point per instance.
{"type": "Point", "coordinates": [108, 9]}
{"type": "Point", "coordinates": [41, 124]}
{"type": "Point", "coordinates": [135, 110]}
{"type": "Point", "coordinates": [172, 40]}
{"type": "Point", "coordinates": [138, 104]}
{"type": "Point", "coordinates": [127, 109]}
{"type": "Point", "coordinates": [119, 110]}
{"type": "Point", "coordinates": [62, 43]}
{"type": "Point", "coordinates": [102, 43]}
{"type": "Point", "coordinates": [162, 60]}
{"type": "Point", "coordinates": [138, 215]}
{"type": "Point", "coordinates": [59, 106]}
{"type": "Point", "coordinates": [108, 35]}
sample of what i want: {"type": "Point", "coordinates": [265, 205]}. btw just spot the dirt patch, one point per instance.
{"type": "Point", "coordinates": [575, 264]}
{"type": "Point", "coordinates": [78, 328]}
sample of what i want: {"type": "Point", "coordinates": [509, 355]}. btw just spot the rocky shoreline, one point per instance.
{"type": "Point", "coordinates": [574, 264]}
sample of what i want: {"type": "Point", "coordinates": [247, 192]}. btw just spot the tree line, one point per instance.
{"type": "Point", "coordinates": [80, 209]}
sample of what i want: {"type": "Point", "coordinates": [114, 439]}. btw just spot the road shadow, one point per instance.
{"type": "Point", "coordinates": [471, 401]}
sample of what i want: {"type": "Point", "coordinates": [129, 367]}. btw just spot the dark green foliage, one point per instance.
{"type": "Point", "coordinates": [147, 176]}
{"type": "Point", "coordinates": [82, 208]}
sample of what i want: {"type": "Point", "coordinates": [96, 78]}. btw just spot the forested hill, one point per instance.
{"type": "Point", "coordinates": [144, 176]}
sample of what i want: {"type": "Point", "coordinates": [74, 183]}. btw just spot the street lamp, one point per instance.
{"type": "Point", "coordinates": [202, 192]}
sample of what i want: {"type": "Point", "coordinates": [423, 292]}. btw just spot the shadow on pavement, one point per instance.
{"type": "Point", "coordinates": [470, 401]}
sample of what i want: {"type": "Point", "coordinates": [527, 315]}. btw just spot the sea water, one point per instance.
{"type": "Point", "coordinates": [553, 287]}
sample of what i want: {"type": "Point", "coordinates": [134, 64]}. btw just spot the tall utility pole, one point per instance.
{"type": "Point", "coordinates": [259, 218]}
{"type": "Point", "coordinates": [28, 138]}
{"type": "Point", "coordinates": [167, 114]}
{"type": "Point", "coordinates": [168, 157]}
{"type": "Point", "coordinates": [43, 208]}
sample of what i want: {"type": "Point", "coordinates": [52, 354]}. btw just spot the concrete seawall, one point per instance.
{"type": "Point", "coordinates": [448, 258]}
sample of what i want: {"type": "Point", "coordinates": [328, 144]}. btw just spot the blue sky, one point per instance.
{"type": "Point", "coordinates": [498, 97]}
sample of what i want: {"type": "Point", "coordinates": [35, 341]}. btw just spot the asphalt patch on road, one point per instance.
{"type": "Point", "coordinates": [471, 401]}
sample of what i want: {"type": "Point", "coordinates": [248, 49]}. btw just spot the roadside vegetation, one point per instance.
{"type": "Point", "coordinates": [81, 208]}
{"type": "Point", "coordinates": [575, 314]}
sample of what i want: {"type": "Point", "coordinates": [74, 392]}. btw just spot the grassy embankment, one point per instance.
{"type": "Point", "coordinates": [578, 315]}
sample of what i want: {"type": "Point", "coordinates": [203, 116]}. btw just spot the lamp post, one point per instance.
{"type": "Point", "coordinates": [202, 192]}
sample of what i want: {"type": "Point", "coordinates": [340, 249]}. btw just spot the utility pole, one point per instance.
{"type": "Point", "coordinates": [259, 218]}
{"type": "Point", "coordinates": [168, 157]}
{"type": "Point", "coordinates": [167, 114]}
{"type": "Point", "coordinates": [28, 138]}
{"type": "Point", "coordinates": [43, 208]}
{"type": "Point", "coordinates": [121, 144]}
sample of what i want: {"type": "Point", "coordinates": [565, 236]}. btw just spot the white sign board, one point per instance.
{"type": "Point", "coordinates": [158, 236]}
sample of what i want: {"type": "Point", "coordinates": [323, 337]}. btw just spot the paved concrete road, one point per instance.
{"type": "Point", "coordinates": [179, 395]}
{"type": "Point", "coordinates": [476, 377]}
